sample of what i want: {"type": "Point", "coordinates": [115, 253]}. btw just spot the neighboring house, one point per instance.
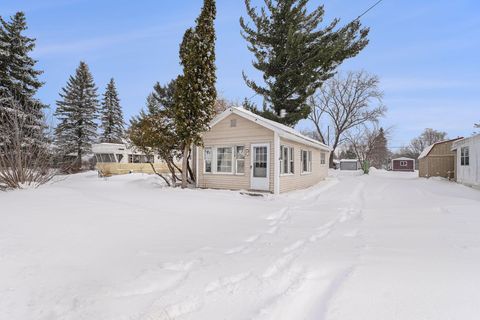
{"type": "Point", "coordinates": [468, 160]}
{"type": "Point", "coordinates": [403, 164]}
{"type": "Point", "coordinates": [350, 164]}
{"type": "Point", "coordinates": [438, 160]}
{"type": "Point", "coordinates": [115, 158]}
{"type": "Point", "coordinates": [244, 151]}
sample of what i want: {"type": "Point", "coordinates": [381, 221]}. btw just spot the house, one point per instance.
{"type": "Point", "coordinates": [350, 164]}
{"type": "Point", "coordinates": [438, 160]}
{"type": "Point", "coordinates": [244, 151]}
{"type": "Point", "coordinates": [468, 160]}
{"type": "Point", "coordinates": [118, 158]}
{"type": "Point", "coordinates": [403, 164]}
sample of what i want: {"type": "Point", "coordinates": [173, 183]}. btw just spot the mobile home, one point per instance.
{"type": "Point", "coordinates": [467, 153]}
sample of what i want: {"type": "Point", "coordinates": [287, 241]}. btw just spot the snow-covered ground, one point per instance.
{"type": "Point", "coordinates": [384, 246]}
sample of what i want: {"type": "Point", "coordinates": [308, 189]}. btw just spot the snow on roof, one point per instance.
{"type": "Point", "coordinates": [348, 160]}
{"type": "Point", "coordinates": [429, 148]}
{"type": "Point", "coordinates": [281, 129]}
{"type": "Point", "coordinates": [403, 158]}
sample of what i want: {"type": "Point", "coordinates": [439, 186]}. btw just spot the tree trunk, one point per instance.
{"type": "Point", "coordinates": [186, 152]}
{"type": "Point", "coordinates": [159, 174]}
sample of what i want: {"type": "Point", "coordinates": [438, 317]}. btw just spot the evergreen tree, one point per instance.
{"type": "Point", "coordinates": [379, 152]}
{"type": "Point", "coordinates": [77, 112]}
{"type": "Point", "coordinates": [154, 131]}
{"type": "Point", "coordinates": [295, 54]}
{"type": "Point", "coordinates": [112, 123]}
{"type": "Point", "coordinates": [19, 78]}
{"type": "Point", "coordinates": [195, 92]}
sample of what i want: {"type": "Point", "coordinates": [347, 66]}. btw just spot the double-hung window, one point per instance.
{"type": "Point", "coordinates": [323, 158]}
{"type": "Point", "coordinates": [465, 156]}
{"type": "Point", "coordinates": [286, 160]}
{"type": "Point", "coordinates": [239, 159]}
{"type": "Point", "coordinates": [208, 159]}
{"type": "Point", "coordinates": [306, 159]}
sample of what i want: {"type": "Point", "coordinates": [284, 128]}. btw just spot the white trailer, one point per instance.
{"type": "Point", "coordinates": [468, 160]}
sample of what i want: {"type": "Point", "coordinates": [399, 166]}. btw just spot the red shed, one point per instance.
{"type": "Point", "coordinates": [403, 164]}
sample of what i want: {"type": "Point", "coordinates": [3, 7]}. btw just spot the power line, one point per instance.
{"type": "Point", "coordinates": [368, 10]}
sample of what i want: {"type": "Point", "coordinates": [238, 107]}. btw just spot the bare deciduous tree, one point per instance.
{"type": "Point", "coordinates": [346, 102]}
{"type": "Point", "coordinates": [24, 162]}
{"type": "Point", "coordinates": [427, 138]}
{"type": "Point", "coordinates": [364, 141]}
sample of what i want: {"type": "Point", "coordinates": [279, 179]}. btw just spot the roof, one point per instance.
{"type": "Point", "coordinates": [403, 158]}
{"type": "Point", "coordinates": [282, 130]}
{"type": "Point", "coordinates": [462, 141]}
{"type": "Point", "coordinates": [348, 160]}
{"type": "Point", "coordinates": [428, 149]}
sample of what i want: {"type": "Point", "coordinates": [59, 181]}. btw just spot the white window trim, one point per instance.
{"type": "Point", "coordinates": [324, 160]}
{"type": "Point", "coordinates": [289, 161]}
{"type": "Point", "coordinates": [464, 156]}
{"type": "Point", "coordinates": [235, 159]}
{"type": "Point", "coordinates": [215, 160]}
{"type": "Point", "coordinates": [309, 162]}
{"type": "Point", "coordinates": [215, 154]}
{"type": "Point", "coordinates": [205, 162]}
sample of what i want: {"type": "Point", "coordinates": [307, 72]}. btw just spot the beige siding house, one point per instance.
{"type": "Point", "coordinates": [243, 151]}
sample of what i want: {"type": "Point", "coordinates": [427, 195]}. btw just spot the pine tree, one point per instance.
{"type": "Point", "coordinates": [295, 55]}
{"type": "Point", "coordinates": [379, 152]}
{"type": "Point", "coordinates": [195, 92]}
{"type": "Point", "coordinates": [77, 112]}
{"type": "Point", "coordinates": [154, 131]}
{"type": "Point", "coordinates": [19, 78]}
{"type": "Point", "coordinates": [112, 123]}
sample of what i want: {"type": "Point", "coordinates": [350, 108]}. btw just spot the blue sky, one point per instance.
{"type": "Point", "coordinates": [425, 52]}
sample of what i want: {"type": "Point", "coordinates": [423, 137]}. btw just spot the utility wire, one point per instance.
{"type": "Point", "coordinates": [368, 10]}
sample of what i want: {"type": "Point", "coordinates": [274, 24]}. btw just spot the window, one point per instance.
{"type": "Point", "coordinates": [138, 158]}
{"type": "Point", "coordinates": [464, 156]}
{"type": "Point", "coordinates": [286, 160]}
{"type": "Point", "coordinates": [224, 159]}
{"type": "Point", "coordinates": [322, 158]}
{"type": "Point", "coordinates": [105, 158]}
{"type": "Point", "coordinates": [306, 159]}
{"type": "Point", "coordinates": [233, 123]}
{"type": "Point", "coordinates": [403, 163]}
{"type": "Point", "coordinates": [208, 160]}
{"type": "Point", "coordinates": [240, 160]}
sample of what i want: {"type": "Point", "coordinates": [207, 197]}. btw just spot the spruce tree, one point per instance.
{"type": "Point", "coordinates": [295, 54]}
{"type": "Point", "coordinates": [379, 151]}
{"type": "Point", "coordinates": [112, 123]}
{"type": "Point", "coordinates": [195, 92]}
{"type": "Point", "coordinates": [19, 78]}
{"type": "Point", "coordinates": [76, 113]}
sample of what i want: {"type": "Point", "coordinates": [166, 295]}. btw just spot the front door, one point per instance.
{"type": "Point", "coordinates": [259, 168]}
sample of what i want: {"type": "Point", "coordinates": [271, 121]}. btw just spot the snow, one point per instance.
{"type": "Point", "coordinates": [426, 151]}
{"type": "Point", "coordinates": [382, 246]}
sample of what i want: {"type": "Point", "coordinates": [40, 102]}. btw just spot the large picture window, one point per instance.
{"type": "Point", "coordinates": [224, 160]}
{"type": "Point", "coordinates": [286, 160]}
{"type": "Point", "coordinates": [306, 159]}
{"type": "Point", "coordinates": [465, 156]}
